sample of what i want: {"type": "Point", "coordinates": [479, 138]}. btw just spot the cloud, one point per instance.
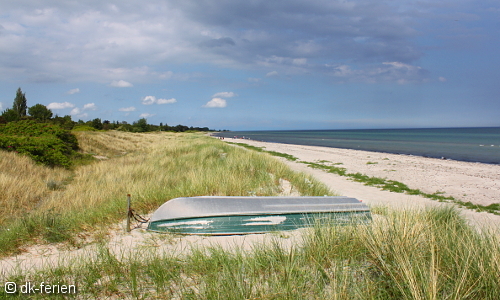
{"type": "Point", "coordinates": [224, 94]}
{"type": "Point", "coordinates": [75, 111]}
{"type": "Point", "coordinates": [272, 73]}
{"type": "Point", "coordinates": [121, 84]}
{"type": "Point", "coordinates": [1, 107]}
{"type": "Point", "coordinates": [127, 109]}
{"type": "Point", "coordinates": [220, 42]}
{"type": "Point", "coordinates": [148, 100]}
{"type": "Point", "coordinates": [442, 79]}
{"type": "Point", "coordinates": [166, 101]}
{"type": "Point", "coordinates": [86, 41]}
{"type": "Point", "coordinates": [146, 115]}
{"type": "Point", "coordinates": [385, 72]}
{"type": "Point", "coordinates": [90, 106]}
{"type": "Point", "coordinates": [216, 102]}
{"type": "Point", "coordinates": [73, 91]}
{"type": "Point", "coordinates": [57, 105]}
{"type": "Point", "coordinates": [299, 61]}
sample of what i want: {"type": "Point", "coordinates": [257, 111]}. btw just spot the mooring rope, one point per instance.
{"type": "Point", "coordinates": [140, 219]}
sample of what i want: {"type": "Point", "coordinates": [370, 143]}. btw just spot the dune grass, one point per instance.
{"type": "Point", "coordinates": [54, 203]}
{"type": "Point", "coordinates": [418, 254]}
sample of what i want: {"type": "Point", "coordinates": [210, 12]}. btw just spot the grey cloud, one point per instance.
{"type": "Point", "coordinates": [106, 41]}
{"type": "Point", "coordinates": [278, 34]}
{"type": "Point", "coordinates": [226, 41]}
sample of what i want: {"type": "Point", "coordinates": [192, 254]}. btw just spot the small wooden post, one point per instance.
{"type": "Point", "coordinates": [128, 212]}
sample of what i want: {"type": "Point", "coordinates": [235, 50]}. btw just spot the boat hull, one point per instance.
{"type": "Point", "coordinates": [228, 225]}
{"type": "Point", "coordinates": [247, 215]}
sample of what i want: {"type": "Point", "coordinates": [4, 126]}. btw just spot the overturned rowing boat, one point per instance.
{"type": "Point", "coordinates": [214, 215]}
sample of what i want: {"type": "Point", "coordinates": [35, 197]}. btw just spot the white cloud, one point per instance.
{"type": "Point", "coordinates": [224, 94]}
{"type": "Point", "coordinates": [442, 79]}
{"type": "Point", "coordinates": [75, 111]}
{"type": "Point", "coordinates": [148, 100]}
{"type": "Point", "coordinates": [299, 61]}
{"type": "Point", "coordinates": [166, 101]}
{"type": "Point", "coordinates": [400, 65]}
{"type": "Point", "coordinates": [272, 73]}
{"type": "Point", "coordinates": [121, 84]}
{"type": "Point", "coordinates": [1, 105]}
{"type": "Point", "coordinates": [146, 115]}
{"type": "Point", "coordinates": [73, 91]}
{"type": "Point", "coordinates": [128, 109]}
{"type": "Point", "coordinates": [57, 105]}
{"type": "Point", "coordinates": [90, 106]}
{"type": "Point", "coordinates": [216, 102]}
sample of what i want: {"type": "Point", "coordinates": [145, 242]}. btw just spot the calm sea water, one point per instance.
{"type": "Point", "coordinates": [465, 144]}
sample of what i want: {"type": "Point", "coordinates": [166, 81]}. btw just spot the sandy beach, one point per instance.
{"type": "Point", "coordinates": [475, 182]}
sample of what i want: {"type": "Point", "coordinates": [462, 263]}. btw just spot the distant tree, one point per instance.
{"type": "Point", "coordinates": [180, 128]}
{"type": "Point", "coordinates": [40, 112]}
{"type": "Point", "coordinates": [106, 125]}
{"type": "Point", "coordinates": [20, 104]}
{"type": "Point", "coordinates": [65, 122]}
{"type": "Point", "coordinates": [97, 124]}
{"type": "Point", "coordinates": [141, 125]}
{"type": "Point", "coordinates": [9, 115]}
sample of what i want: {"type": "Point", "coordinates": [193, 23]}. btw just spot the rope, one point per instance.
{"type": "Point", "coordinates": [140, 219]}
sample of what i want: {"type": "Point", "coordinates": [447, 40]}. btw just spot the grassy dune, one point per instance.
{"type": "Point", "coordinates": [55, 203]}
{"type": "Point", "coordinates": [419, 254]}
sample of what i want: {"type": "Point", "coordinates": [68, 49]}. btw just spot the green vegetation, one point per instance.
{"type": "Point", "coordinates": [48, 144]}
{"type": "Point", "coordinates": [421, 254]}
{"type": "Point", "coordinates": [260, 149]}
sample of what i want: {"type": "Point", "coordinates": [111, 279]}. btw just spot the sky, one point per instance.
{"type": "Point", "coordinates": [256, 64]}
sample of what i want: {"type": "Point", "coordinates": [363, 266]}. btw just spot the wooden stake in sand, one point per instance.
{"type": "Point", "coordinates": [128, 212]}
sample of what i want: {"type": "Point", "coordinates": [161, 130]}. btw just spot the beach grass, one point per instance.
{"type": "Point", "coordinates": [418, 254]}
{"type": "Point", "coordinates": [54, 204]}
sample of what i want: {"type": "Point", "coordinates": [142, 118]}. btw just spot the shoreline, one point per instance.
{"type": "Point", "coordinates": [415, 152]}
{"type": "Point", "coordinates": [478, 183]}
{"type": "Point", "coordinates": [383, 152]}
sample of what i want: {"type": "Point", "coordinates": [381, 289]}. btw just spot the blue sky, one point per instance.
{"type": "Point", "coordinates": [256, 65]}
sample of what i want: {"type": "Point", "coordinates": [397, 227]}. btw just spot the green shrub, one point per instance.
{"type": "Point", "coordinates": [47, 144]}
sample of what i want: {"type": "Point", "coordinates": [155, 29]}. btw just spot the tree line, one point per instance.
{"type": "Point", "coordinates": [40, 113]}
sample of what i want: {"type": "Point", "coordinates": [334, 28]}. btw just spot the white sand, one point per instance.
{"type": "Point", "coordinates": [475, 182]}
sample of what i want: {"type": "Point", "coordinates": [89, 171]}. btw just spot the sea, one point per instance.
{"type": "Point", "coordinates": [477, 144]}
